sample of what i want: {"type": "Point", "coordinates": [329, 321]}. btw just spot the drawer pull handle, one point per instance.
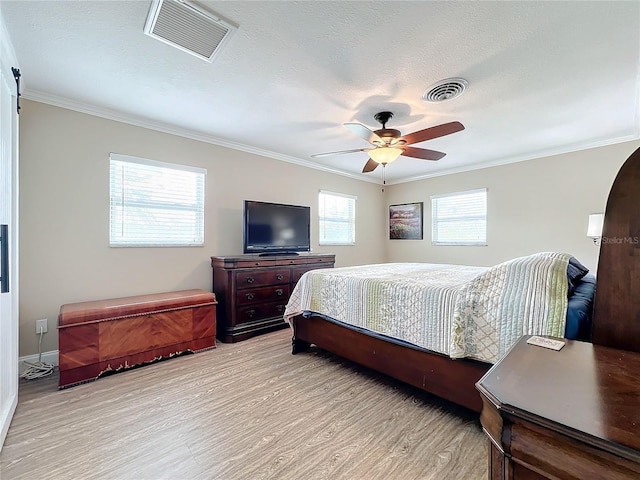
{"type": "Point", "coordinates": [279, 292]}
{"type": "Point", "coordinates": [250, 296]}
{"type": "Point", "coordinates": [250, 280]}
{"type": "Point", "coordinates": [280, 308]}
{"type": "Point", "coordinates": [250, 313]}
{"type": "Point", "coordinates": [279, 276]}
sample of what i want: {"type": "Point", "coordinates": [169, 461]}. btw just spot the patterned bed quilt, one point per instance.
{"type": "Point", "coordinates": [460, 311]}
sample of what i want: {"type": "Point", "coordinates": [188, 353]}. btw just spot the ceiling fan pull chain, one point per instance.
{"type": "Point", "coordinates": [384, 177]}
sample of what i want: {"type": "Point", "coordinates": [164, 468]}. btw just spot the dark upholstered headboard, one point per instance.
{"type": "Point", "coordinates": [616, 318]}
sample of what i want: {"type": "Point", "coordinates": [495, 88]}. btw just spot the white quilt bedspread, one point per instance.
{"type": "Point", "coordinates": [409, 301]}
{"type": "Point", "coordinates": [460, 311]}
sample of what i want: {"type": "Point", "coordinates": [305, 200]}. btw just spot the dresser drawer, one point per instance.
{"type": "Point", "coordinates": [297, 272]}
{"type": "Point", "coordinates": [251, 296]}
{"type": "Point", "coordinates": [259, 311]}
{"type": "Point", "coordinates": [261, 278]}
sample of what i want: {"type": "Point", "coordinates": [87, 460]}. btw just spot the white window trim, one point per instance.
{"type": "Point", "coordinates": [486, 219]}
{"type": "Point", "coordinates": [344, 195]}
{"type": "Point", "coordinates": [154, 163]}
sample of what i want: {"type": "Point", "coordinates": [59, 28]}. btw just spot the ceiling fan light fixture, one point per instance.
{"type": "Point", "coordinates": [385, 155]}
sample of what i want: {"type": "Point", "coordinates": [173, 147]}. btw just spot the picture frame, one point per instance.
{"type": "Point", "coordinates": [405, 221]}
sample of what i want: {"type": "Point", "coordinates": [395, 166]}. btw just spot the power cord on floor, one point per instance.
{"type": "Point", "coordinates": [39, 369]}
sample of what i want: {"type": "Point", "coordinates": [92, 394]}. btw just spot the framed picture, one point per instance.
{"type": "Point", "coordinates": [405, 221]}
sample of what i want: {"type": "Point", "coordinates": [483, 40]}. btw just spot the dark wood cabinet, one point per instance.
{"type": "Point", "coordinates": [568, 414]}
{"type": "Point", "coordinates": [252, 291]}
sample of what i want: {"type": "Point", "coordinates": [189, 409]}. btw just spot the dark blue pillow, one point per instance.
{"type": "Point", "coordinates": [580, 309]}
{"type": "Point", "coordinates": [575, 271]}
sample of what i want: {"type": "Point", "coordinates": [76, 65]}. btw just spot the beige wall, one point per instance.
{"type": "Point", "coordinates": [64, 213]}
{"type": "Point", "coordinates": [533, 206]}
{"type": "Point", "coordinates": [65, 256]}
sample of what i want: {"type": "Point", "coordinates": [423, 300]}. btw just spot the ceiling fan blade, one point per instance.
{"type": "Point", "coordinates": [363, 132]}
{"type": "Point", "coordinates": [328, 154]}
{"type": "Point", "coordinates": [370, 166]}
{"type": "Point", "coordinates": [433, 132]}
{"type": "Point", "coordinates": [422, 153]}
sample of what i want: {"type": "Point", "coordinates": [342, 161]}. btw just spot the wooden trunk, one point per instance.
{"type": "Point", "coordinates": [116, 334]}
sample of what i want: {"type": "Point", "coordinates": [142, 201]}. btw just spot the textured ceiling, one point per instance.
{"type": "Point", "coordinates": [544, 77]}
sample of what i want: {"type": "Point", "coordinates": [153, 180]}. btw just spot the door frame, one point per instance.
{"type": "Point", "coordinates": [9, 324]}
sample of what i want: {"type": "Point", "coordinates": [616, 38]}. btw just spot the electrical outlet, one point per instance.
{"type": "Point", "coordinates": [41, 324]}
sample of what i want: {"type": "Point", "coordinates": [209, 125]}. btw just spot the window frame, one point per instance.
{"type": "Point", "coordinates": [351, 221]}
{"type": "Point", "coordinates": [197, 207]}
{"type": "Point", "coordinates": [435, 219]}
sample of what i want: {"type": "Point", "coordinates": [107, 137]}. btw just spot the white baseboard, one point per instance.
{"type": "Point", "coordinates": [47, 357]}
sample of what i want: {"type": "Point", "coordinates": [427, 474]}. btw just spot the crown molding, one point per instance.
{"type": "Point", "coordinates": [634, 135]}
{"type": "Point", "coordinates": [109, 114]}
{"type": "Point", "coordinates": [522, 158]}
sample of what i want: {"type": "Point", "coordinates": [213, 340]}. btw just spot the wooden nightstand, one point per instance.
{"type": "Point", "coordinates": [568, 414]}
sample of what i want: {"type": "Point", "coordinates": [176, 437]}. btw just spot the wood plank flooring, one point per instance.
{"type": "Point", "coordinates": [243, 411]}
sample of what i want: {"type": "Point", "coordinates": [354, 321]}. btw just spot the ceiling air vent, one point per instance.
{"type": "Point", "coordinates": [445, 90]}
{"type": "Point", "coordinates": [187, 27]}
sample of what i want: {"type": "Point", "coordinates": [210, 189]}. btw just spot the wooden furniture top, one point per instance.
{"type": "Point", "coordinates": [255, 260]}
{"type": "Point", "coordinates": [584, 391]}
{"type": "Point", "coordinates": [616, 317]}
{"type": "Point", "coordinates": [110, 309]}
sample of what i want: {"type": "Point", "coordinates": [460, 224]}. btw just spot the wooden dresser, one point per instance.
{"type": "Point", "coordinates": [568, 414]}
{"type": "Point", "coordinates": [252, 291]}
{"type": "Point", "coordinates": [119, 333]}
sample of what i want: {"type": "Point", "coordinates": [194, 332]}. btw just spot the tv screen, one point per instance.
{"type": "Point", "coordinates": [276, 228]}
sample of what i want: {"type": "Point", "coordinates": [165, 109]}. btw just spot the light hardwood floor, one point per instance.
{"type": "Point", "coordinates": [243, 411]}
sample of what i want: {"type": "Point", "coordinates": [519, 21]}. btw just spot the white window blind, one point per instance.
{"type": "Point", "coordinates": [155, 203]}
{"type": "Point", "coordinates": [459, 218]}
{"type": "Point", "coordinates": [337, 214]}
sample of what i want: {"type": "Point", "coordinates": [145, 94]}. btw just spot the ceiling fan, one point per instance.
{"type": "Point", "coordinates": [389, 143]}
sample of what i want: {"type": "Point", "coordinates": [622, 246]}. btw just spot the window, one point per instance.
{"type": "Point", "coordinates": [337, 214]}
{"type": "Point", "coordinates": [155, 203]}
{"type": "Point", "coordinates": [459, 218]}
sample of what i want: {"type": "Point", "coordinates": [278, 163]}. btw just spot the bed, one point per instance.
{"type": "Point", "coordinates": [615, 322]}
{"type": "Point", "coordinates": [410, 320]}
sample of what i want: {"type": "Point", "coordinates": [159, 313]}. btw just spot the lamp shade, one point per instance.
{"type": "Point", "coordinates": [385, 155]}
{"type": "Point", "coordinates": [596, 220]}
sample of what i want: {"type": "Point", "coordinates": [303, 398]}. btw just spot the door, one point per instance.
{"type": "Point", "coordinates": [8, 251]}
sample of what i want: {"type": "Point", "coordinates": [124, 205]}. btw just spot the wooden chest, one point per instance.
{"type": "Point", "coordinates": [107, 335]}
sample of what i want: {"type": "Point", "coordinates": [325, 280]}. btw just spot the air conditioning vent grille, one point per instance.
{"type": "Point", "coordinates": [186, 27]}
{"type": "Point", "coordinates": [445, 90]}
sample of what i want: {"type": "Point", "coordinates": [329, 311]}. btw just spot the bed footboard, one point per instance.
{"type": "Point", "coordinates": [438, 374]}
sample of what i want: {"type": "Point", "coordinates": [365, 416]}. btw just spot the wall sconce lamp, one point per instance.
{"type": "Point", "coordinates": [594, 229]}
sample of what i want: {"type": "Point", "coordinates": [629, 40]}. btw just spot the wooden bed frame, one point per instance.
{"type": "Point", "coordinates": [433, 372]}
{"type": "Point", "coordinates": [616, 319]}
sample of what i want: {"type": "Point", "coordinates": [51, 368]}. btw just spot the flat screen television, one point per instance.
{"type": "Point", "coordinates": [273, 228]}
